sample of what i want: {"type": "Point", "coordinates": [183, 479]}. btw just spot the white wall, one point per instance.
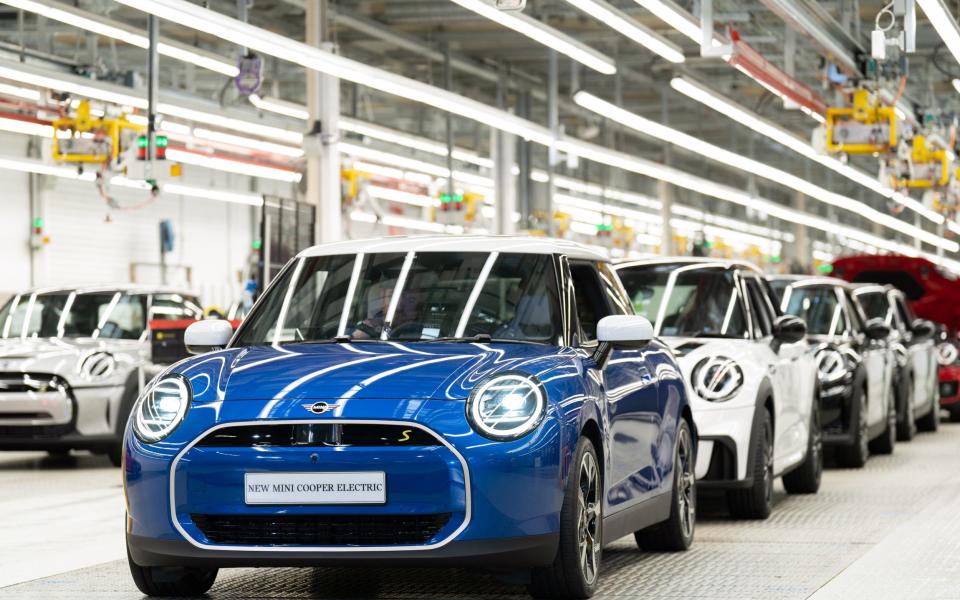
{"type": "Point", "coordinates": [213, 238]}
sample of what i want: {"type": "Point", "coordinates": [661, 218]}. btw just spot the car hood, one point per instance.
{"type": "Point", "coordinates": [106, 359]}
{"type": "Point", "coordinates": [360, 370]}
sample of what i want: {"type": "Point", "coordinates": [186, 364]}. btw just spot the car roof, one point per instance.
{"type": "Point", "coordinates": [811, 280]}
{"type": "Point", "coordinates": [457, 243]}
{"type": "Point", "coordinates": [130, 288]}
{"type": "Point", "coordinates": [688, 260]}
{"type": "Point", "coordinates": [866, 288]}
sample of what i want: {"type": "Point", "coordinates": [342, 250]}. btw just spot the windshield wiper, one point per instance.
{"type": "Point", "coordinates": [483, 338]}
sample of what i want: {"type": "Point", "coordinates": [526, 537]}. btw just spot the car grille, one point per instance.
{"type": "Point", "coordinates": [21, 383]}
{"type": "Point", "coordinates": [34, 431]}
{"type": "Point", "coordinates": [321, 530]}
{"type": "Point", "coordinates": [948, 389]}
{"type": "Point", "coordinates": [317, 434]}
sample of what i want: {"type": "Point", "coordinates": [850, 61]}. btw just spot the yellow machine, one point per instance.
{"type": "Point", "coordinates": [864, 128]}
{"type": "Point", "coordinates": [87, 139]}
{"type": "Point", "coordinates": [924, 166]}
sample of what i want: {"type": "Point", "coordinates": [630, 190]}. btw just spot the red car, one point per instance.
{"type": "Point", "coordinates": [933, 292]}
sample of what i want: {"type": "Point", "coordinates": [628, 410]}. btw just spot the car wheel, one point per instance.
{"type": "Point", "coordinates": [805, 479]}
{"type": "Point", "coordinates": [676, 533]}
{"type": "Point", "coordinates": [856, 454]}
{"type": "Point", "coordinates": [906, 427]}
{"type": "Point", "coordinates": [574, 571]}
{"type": "Point", "coordinates": [756, 501]}
{"type": "Point", "coordinates": [931, 420]}
{"type": "Point", "coordinates": [888, 439]}
{"type": "Point", "coordinates": [171, 581]}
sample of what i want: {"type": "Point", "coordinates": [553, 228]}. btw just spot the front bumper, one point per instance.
{"type": "Point", "coordinates": [724, 445]}
{"type": "Point", "coordinates": [949, 387]}
{"type": "Point", "coordinates": [503, 498]}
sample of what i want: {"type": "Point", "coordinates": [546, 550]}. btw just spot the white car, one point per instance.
{"type": "Point", "coordinates": [915, 379]}
{"type": "Point", "coordinates": [751, 375]}
{"type": "Point", "coordinates": [73, 361]}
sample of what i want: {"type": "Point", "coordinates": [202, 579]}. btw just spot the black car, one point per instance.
{"type": "Point", "coordinates": [855, 364]}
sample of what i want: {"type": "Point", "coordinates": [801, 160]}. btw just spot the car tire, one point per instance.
{"type": "Point", "coordinates": [756, 501]}
{"type": "Point", "coordinates": [676, 533]}
{"type": "Point", "coordinates": [805, 479]}
{"type": "Point", "coordinates": [574, 574]}
{"type": "Point", "coordinates": [171, 581]}
{"type": "Point", "coordinates": [888, 439]}
{"type": "Point", "coordinates": [906, 427]}
{"type": "Point", "coordinates": [931, 421]}
{"type": "Point", "coordinates": [856, 454]}
{"type": "Point", "coordinates": [116, 456]}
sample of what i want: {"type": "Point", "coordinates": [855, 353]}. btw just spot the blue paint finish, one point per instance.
{"type": "Point", "coordinates": [516, 487]}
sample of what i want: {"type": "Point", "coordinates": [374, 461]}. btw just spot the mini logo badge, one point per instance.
{"type": "Point", "coordinates": [318, 408]}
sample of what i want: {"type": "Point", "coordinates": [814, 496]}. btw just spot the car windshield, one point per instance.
{"type": "Point", "coordinates": [415, 296]}
{"type": "Point", "coordinates": [683, 301]}
{"type": "Point", "coordinates": [114, 315]}
{"type": "Point", "coordinates": [819, 306]}
{"type": "Point", "coordinates": [778, 287]}
{"type": "Point", "coordinates": [875, 305]}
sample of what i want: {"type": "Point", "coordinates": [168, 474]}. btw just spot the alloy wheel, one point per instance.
{"type": "Point", "coordinates": [768, 471]}
{"type": "Point", "coordinates": [686, 492]}
{"type": "Point", "coordinates": [588, 519]}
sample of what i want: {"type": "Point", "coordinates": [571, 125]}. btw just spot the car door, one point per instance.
{"type": "Point", "coordinates": [792, 416]}
{"type": "Point", "coordinates": [920, 351]}
{"type": "Point", "coordinates": [875, 359]}
{"type": "Point", "coordinates": [631, 397]}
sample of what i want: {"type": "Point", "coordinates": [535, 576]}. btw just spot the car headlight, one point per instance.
{"type": "Point", "coordinates": [506, 407]}
{"type": "Point", "coordinates": [717, 378]}
{"type": "Point", "coordinates": [831, 366]}
{"type": "Point", "coordinates": [947, 354]}
{"type": "Point", "coordinates": [161, 408]}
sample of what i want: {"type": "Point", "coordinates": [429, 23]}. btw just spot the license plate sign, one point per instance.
{"type": "Point", "coordinates": [367, 487]}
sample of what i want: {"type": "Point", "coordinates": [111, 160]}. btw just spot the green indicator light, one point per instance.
{"type": "Point", "coordinates": [458, 197]}
{"type": "Point", "coordinates": [257, 244]}
{"type": "Point", "coordinates": [775, 259]}
{"type": "Point", "coordinates": [707, 244]}
{"type": "Point", "coordinates": [161, 141]}
{"type": "Point", "coordinates": [38, 223]}
{"type": "Point", "coordinates": [142, 141]}
{"type": "Point", "coordinates": [825, 268]}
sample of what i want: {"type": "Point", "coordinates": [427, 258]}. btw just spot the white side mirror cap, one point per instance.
{"type": "Point", "coordinates": [624, 329]}
{"type": "Point", "coordinates": [207, 336]}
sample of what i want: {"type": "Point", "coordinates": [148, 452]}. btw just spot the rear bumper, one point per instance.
{"type": "Point", "coordinates": [949, 387]}
{"type": "Point", "coordinates": [507, 553]}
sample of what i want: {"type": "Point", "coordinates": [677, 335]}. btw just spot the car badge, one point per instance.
{"type": "Point", "coordinates": [318, 408]}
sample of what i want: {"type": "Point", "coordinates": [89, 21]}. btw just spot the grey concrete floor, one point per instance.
{"type": "Point", "coordinates": [890, 530]}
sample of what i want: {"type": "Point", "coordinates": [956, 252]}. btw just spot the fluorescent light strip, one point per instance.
{"type": "Point", "coordinates": [542, 33]}
{"type": "Point", "coordinates": [207, 118]}
{"type": "Point", "coordinates": [232, 166]}
{"type": "Point", "coordinates": [708, 97]}
{"type": "Point", "coordinates": [944, 23]}
{"type": "Point", "coordinates": [406, 223]}
{"type": "Point", "coordinates": [123, 33]}
{"type": "Point", "coordinates": [213, 194]}
{"type": "Point", "coordinates": [272, 44]}
{"type": "Point", "coordinates": [737, 161]}
{"type": "Point", "coordinates": [384, 193]}
{"type": "Point", "coordinates": [675, 17]}
{"type": "Point", "coordinates": [623, 23]}
{"type": "Point", "coordinates": [281, 107]}
{"type": "Point", "coordinates": [413, 164]}
{"type": "Point", "coordinates": [245, 142]}
{"type": "Point", "coordinates": [21, 92]}
{"type": "Point", "coordinates": [26, 127]}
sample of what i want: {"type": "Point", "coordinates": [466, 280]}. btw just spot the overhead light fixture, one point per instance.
{"type": "Point", "coordinates": [246, 142]}
{"type": "Point", "coordinates": [944, 23]}
{"type": "Point", "coordinates": [272, 44]}
{"type": "Point", "coordinates": [210, 193]}
{"type": "Point", "coordinates": [281, 107]}
{"type": "Point", "coordinates": [626, 25]}
{"type": "Point", "coordinates": [708, 97]}
{"type": "Point", "coordinates": [21, 92]}
{"type": "Point", "coordinates": [544, 34]}
{"type": "Point", "coordinates": [218, 120]}
{"type": "Point", "coordinates": [121, 32]}
{"type": "Point", "coordinates": [674, 16]}
{"type": "Point", "coordinates": [749, 165]}
{"type": "Point", "coordinates": [232, 166]}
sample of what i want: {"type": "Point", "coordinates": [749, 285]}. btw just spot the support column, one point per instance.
{"type": "Point", "coordinates": [321, 143]}
{"type": "Point", "coordinates": [553, 111]}
{"type": "Point", "coordinates": [504, 146]}
{"type": "Point", "coordinates": [665, 195]}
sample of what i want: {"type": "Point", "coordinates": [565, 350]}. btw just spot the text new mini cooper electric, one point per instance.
{"type": "Point", "coordinates": [855, 364]}
{"type": "Point", "coordinates": [74, 360]}
{"type": "Point", "coordinates": [491, 402]}
{"type": "Point", "coordinates": [752, 377]}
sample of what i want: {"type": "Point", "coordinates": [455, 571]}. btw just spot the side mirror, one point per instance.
{"type": "Point", "coordinates": [922, 328]}
{"type": "Point", "coordinates": [207, 336]}
{"type": "Point", "coordinates": [788, 329]}
{"type": "Point", "coordinates": [624, 329]}
{"type": "Point", "coordinates": [877, 329]}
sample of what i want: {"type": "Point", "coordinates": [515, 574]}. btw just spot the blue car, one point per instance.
{"type": "Point", "coordinates": [487, 402]}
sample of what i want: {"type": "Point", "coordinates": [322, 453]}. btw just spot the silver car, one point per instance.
{"type": "Point", "coordinates": [73, 361]}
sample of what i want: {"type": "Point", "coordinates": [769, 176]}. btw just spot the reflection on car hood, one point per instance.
{"type": "Point", "coordinates": [63, 357]}
{"type": "Point", "coordinates": [372, 370]}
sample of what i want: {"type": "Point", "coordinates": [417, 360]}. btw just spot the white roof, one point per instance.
{"type": "Point", "coordinates": [130, 288]}
{"type": "Point", "coordinates": [457, 243]}
{"type": "Point", "coordinates": [688, 260]}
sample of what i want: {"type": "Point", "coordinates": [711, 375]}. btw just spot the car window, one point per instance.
{"type": "Point", "coordinates": [759, 306]}
{"type": "Point", "coordinates": [174, 307]}
{"type": "Point", "coordinates": [616, 296]}
{"type": "Point", "coordinates": [857, 318]}
{"type": "Point", "coordinates": [114, 315]}
{"type": "Point", "coordinates": [410, 297]}
{"type": "Point", "coordinates": [904, 312]}
{"type": "Point", "coordinates": [683, 301]}
{"type": "Point", "coordinates": [820, 307]}
{"type": "Point", "coordinates": [590, 298]}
